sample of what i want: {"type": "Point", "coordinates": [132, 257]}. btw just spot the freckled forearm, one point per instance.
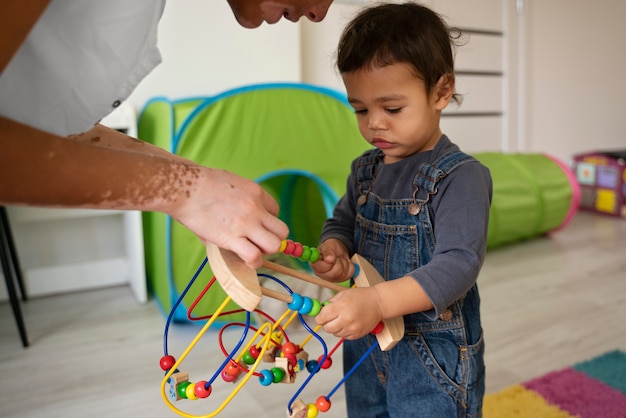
{"type": "Point", "coordinates": [99, 169]}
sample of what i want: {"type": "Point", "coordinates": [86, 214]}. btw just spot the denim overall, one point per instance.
{"type": "Point", "coordinates": [437, 369]}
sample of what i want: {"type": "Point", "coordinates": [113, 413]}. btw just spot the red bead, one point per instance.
{"type": "Point", "coordinates": [378, 328]}
{"type": "Point", "coordinates": [297, 252]}
{"type": "Point", "coordinates": [322, 404]}
{"type": "Point", "coordinates": [290, 247]}
{"type": "Point", "coordinates": [254, 352]}
{"type": "Point", "coordinates": [201, 390]}
{"type": "Point", "coordinates": [327, 363]}
{"type": "Point", "coordinates": [292, 359]}
{"type": "Point", "coordinates": [167, 362]}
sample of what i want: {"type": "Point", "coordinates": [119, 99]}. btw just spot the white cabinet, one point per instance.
{"type": "Point", "coordinates": [63, 250]}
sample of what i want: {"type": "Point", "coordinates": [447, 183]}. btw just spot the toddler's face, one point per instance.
{"type": "Point", "coordinates": [393, 110]}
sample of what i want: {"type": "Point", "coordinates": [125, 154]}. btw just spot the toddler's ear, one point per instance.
{"type": "Point", "coordinates": [443, 91]}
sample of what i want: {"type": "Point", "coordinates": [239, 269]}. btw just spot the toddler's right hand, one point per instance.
{"type": "Point", "coordinates": [334, 263]}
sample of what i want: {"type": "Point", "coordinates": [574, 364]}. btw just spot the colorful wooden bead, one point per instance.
{"type": "Point", "coordinates": [296, 302]}
{"type": "Point", "coordinates": [167, 362]}
{"type": "Point", "coordinates": [311, 365]}
{"type": "Point", "coordinates": [232, 369]}
{"type": "Point", "coordinates": [327, 363]}
{"type": "Point", "coordinates": [248, 358]}
{"type": "Point", "coordinates": [181, 389]}
{"type": "Point", "coordinates": [289, 247]}
{"type": "Point", "coordinates": [266, 378]}
{"type": "Point", "coordinates": [306, 306]}
{"type": "Point", "coordinates": [316, 308]}
{"type": "Point", "coordinates": [297, 251]}
{"type": "Point", "coordinates": [190, 392]}
{"type": "Point", "coordinates": [254, 351]}
{"type": "Point", "coordinates": [315, 255]}
{"type": "Point", "coordinates": [311, 410]}
{"type": "Point", "coordinates": [277, 337]}
{"type": "Point", "coordinates": [228, 378]}
{"type": "Point", "coordinates": [306, 253]}
{"type": "Point", "coordinates": [323, 404]}
{"type": "Point", "coordinates": [283, 245]}
{"type": "Point", "coordinates": [378, 328]}
{"type": "Point", "coordinates": [290, 348]}
{"type": "Point", "coordinates": [201, 390]}
{"type": "Point", "coordinates": [278, 373]}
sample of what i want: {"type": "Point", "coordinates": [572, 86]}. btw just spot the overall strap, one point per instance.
{"type": "Point", "coordinates": [366, 169]}
{"type": "Point", "coordinates": [429, 174]}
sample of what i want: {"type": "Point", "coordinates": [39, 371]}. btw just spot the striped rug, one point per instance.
{"type": "Point", "coordinates": [594, 388]}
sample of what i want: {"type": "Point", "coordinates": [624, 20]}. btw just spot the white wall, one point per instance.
{"type": "Point", "coordinates": [576, 76]}
{"type": "Point", "coordinates": [205, 52]}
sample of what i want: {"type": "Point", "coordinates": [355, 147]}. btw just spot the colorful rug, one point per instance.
{"type": "Point", "coordinates": [591, 389]}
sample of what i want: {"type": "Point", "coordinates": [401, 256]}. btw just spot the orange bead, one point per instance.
{"type": "Point", "coordinates": [322, 404]}
{"type": "Point", "coordinates": [290, 348]}
{"type": "Point", "coordinates": [232, 369]}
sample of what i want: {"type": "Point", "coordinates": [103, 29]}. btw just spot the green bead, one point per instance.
{"type": "Point", "coordinates": [315, 255]}
{"type": "Point", "coordinates": [182, 389]}
{"type": "Point", "coordinates": [278, 373]}
{"type": "Point", "coordinates": [306, 253]}
{"type": "Point", "coordinates": [316, 308]}
{"type": "Point", "coordinates": [247, 358]}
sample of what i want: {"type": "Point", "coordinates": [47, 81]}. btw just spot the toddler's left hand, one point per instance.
{"type": "Point", "coordinates": [351, 313]}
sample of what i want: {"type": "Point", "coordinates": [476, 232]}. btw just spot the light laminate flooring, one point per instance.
{"type": "Point", "coordinates": [546, 303]}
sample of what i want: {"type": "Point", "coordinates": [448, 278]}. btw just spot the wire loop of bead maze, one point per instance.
{"type": "Point", "coordinates": [242, 286]}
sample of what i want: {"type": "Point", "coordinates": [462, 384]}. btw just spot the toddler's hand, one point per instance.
{"type": "Point", "coordinates": [351, 313]}
{"type": "Point", "coordinates": [334, 263]}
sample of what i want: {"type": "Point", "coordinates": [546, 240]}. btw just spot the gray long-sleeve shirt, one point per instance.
{"type": "Point", "coordinates": [459, 212]}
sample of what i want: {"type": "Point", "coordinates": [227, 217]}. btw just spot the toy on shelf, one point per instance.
{"type": "Point", "coordinates": [602, 179]}
{"type": "Point", "coordinates": [270, 342]}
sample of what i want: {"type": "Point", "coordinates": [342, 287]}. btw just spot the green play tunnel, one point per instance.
{"type": "Point", "coordinates": [532, 195]}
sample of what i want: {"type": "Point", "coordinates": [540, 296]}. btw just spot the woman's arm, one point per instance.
{"type": "Point", "coordinates": [106, 169]}
{"type": "Point", "coordinates": [16, 20]}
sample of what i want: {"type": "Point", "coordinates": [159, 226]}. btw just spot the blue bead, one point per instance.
{"type": "Point", "coordinates": [296, 302]}
{"type": "Point", "coordinates": [306, 306]}
{"type": "Point", "coordinates": [356, 270]}
{"type": "Point", "coordinates": [311, 365]}
{"type": "Point", "coordinates": [266, 378]}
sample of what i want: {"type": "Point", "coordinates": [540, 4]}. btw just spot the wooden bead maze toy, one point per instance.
{"type": "Point", "coordinates": [269, 343]}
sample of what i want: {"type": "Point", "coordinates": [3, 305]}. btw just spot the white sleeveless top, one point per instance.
{"type": "Point", "coordinates": [80, 61]}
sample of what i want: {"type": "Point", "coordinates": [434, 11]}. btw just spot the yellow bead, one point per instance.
{"type": "Point", "coordinates": [190, 393]}
{"type": "Point", "coordinates": [311, 410]}
{"type": "Point", "coordinates": [277, 336]}
{"type": "Point", "coordinates": [283, 245]}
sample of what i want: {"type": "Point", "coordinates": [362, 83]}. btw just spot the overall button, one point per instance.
{"type": "Point", "coordinates": [446, 315]}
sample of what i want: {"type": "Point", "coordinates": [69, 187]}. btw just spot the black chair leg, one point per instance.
{"type": "Point", "coordinates": [17, 268]}
{"type": "Point", "coordinates": [8, 255]}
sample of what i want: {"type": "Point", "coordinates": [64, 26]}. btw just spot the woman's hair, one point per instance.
{"type": "Point", "coordinates": [399, 33]}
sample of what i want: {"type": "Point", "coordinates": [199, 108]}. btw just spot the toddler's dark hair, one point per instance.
{"type": "Point", "coordinates": [399, 33]}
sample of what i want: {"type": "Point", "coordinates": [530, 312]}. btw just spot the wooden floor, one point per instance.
{"type": "Point", "coordinates": [547, 303]}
